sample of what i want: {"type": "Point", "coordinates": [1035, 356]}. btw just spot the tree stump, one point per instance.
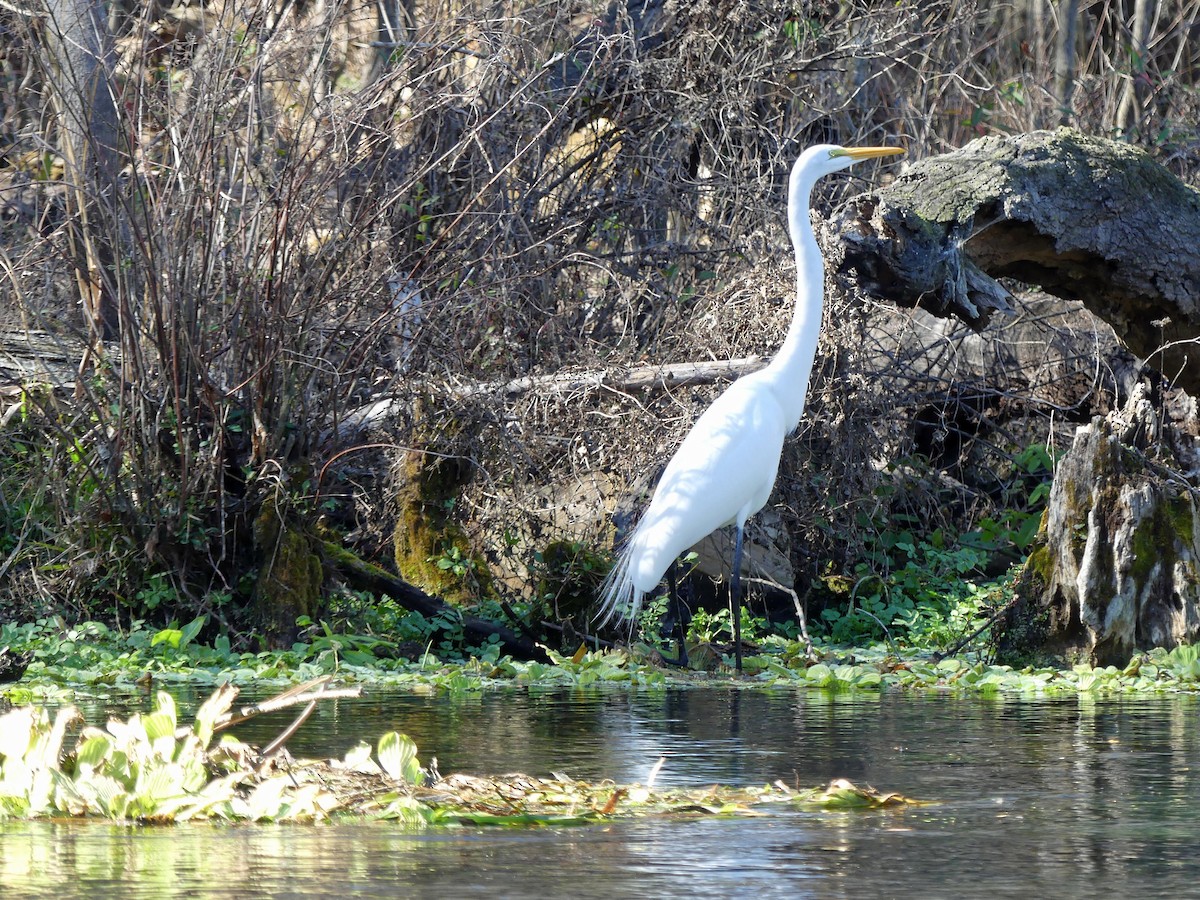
{"type": "Point", "coordinates": [1117, 566]}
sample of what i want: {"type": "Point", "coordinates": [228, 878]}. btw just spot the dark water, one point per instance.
{"type": "Point", "coordinates": [1065, 798]}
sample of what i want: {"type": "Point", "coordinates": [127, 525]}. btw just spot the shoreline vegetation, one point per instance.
{"type": "Point", "coordinates": [297, 309]}
{"type": "Point", "coordinates": [62, 662]}
{"type": "Point", "coordinates": [155, 769]}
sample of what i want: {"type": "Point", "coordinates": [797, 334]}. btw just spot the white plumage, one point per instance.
{"type": "Point", "coordinates": [724, 471]}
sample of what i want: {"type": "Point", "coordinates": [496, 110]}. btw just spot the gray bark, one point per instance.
{"type": "Point", "coordinates": [1083, 218]}
{"type": "Point", "coordinates": [668, 376]}
{"type": "Point", "coordinates": [1117, 567]}
{"type": "Point", "coordinates": [79, 64]}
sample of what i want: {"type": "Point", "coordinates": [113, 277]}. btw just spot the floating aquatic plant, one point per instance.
{"type": "Point", "coordinates": [151, 769]}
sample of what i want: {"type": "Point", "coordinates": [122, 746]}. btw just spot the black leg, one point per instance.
{"type": "Point", "coordinates": [735, 600]}
{"type": "Point", "coordinates": [679, 615]}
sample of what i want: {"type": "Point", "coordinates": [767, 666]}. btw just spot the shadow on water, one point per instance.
{"type": "Point", "coordinates": [1062, 798]}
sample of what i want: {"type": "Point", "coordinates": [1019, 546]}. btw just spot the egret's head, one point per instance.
{"type": "Point", "coordinates": [817, 162]}
{"type": "Point", "coordinates": [824, 159]}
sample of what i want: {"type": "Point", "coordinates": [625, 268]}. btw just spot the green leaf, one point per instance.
{"type": "Point", "coordinates": [160, 725]}
{"type": "Point", "coordinates": [169, 636]}
{"type": "Point", "coordinates": [191, 629]}
{"type": "Point", "coordinates": [212, 709]}
{"type": "Point", "coordinates": [265, 801]}
{"type": "Point", "coordinates": [110, 795]}
{"type": "Point", "coordinates": [398, 756]}
{"type": "Point", "coordinates": [93, 750]}
{"type": "Point", "coordinates": [819, 674]}
{"type": "Point", "coordinates": [158, 784]}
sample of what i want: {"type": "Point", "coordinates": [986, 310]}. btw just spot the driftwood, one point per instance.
{"type": "Point", "coordinates": [1083, 218]}
{"type": "Point", "coordinates": [37, 357]}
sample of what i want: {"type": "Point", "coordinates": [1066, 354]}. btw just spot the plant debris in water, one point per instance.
{"type": "Point", "coordinates": [149, 769]}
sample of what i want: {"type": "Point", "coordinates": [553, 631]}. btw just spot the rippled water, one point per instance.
{"type": "Point", "coordinates": [1065, 798]}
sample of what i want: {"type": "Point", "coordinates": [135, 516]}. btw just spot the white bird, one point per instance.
{"type": "Point", "coordinates": [724, 471]}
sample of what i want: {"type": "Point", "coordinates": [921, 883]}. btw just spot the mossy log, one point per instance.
{"type": "Point", "coordinates": [1083, 218]}
{"type": "Point", "coordinates": [1117, 565]}
{"type": "Point", "coordinates": [365, 576]}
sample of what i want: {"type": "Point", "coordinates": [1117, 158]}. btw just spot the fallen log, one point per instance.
{"type": "Point", "coordinates": [635, 380]}
{"type": "Point", "coordinates": [371, 578]}
{"type": "Point", "coordinates": [1083, 218]}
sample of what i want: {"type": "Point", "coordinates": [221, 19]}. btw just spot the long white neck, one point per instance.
{"type": "Point", "coordinates": [793, 363]}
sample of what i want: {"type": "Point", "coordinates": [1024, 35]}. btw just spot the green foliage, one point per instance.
{"type": "Point", "coordinates": [1183, 663]}
{"type": "Point", "coordinates": [149, 769]}
{"type": "Point", "coordinates": [927, 592]}
{"type": "Point", "coordinates": [91, 656]}
{"type": "Point", "coordinates": [717, 627]}
{"type": "Point", "coordinates": [1024, 501]}
{"type": "Point", "coordinates": [801, 30]}
{"type": "Point", "coordinates": [136, 769]}
{"type": "Point", "coordinates": [179, 638]}
{"type": "Point", "coordinates": [925, 599]}
{"type": "Point", "coordinates": [453, 561]}
{"type": "Point", "coordinates": [375, 628]}
{"type": "Point", "coordinates": [330, 649]}
{"type": "Point", "coordinates": [568, 576]}
{"type": "Point", "coordinates": [398, 757]}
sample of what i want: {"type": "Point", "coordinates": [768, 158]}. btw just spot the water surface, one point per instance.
{"type": "Point", "coordinates": [1067, 798]}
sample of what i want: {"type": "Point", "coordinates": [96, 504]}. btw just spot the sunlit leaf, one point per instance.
{"type": "Point", "coordinates": [408, 810]}
{"type": "Point", "coordinates": [111, 796]}
{"type": "Point", "coordinates": [191, 629]}
{"type": "Point", "coordinates": [93, 749]}
{"type": "Point", "coordinates": [358, 758]}
{"type": "Point", "coordinates": [164, 718]}
{"type": "Point", "coordinates": [843, 794]}
{"type": "Point", "coordinates": [398, 757]}
{"type": "Point", "coordinates": [266, 800]}
{"type": "Point", "coordinates": [158, 783]}
{"type": "Point", "coordinates": [16, 730]}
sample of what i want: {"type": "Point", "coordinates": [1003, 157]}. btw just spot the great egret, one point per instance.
{"type": "Point", "coordinates": [725, 469]}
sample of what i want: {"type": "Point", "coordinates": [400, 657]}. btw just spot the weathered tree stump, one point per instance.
{"type": "Point", "coordinates": [1117, 567]}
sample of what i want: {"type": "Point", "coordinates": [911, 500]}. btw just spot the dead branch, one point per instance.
{"type": "Point", "coordinates": [634, 380]}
